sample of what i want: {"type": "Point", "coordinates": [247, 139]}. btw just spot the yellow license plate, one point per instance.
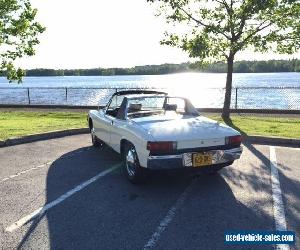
{"type": "Point", "coordinates": [202, 159]}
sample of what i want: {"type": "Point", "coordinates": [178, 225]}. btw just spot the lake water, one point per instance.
{"type": "Point", "coordinates": [204, 89]}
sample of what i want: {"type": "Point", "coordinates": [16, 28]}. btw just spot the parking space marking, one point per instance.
{"type": "Point", "coordinates": [41, 166]}
{"type": "Point", "coordinates": [42, 210]}
{"type": "Point", "coordinates": [289, 148]}
{"type": "Point", "coordinates": [26, 171]}
{"type": "Point", "coordinates": [168, 218]}
{"type": "Point", "coordinates": [278, 207]}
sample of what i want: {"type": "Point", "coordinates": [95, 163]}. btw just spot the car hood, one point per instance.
{"type": "Point", "coordinates": [184, 128]}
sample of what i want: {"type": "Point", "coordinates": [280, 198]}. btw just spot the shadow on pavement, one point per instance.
{"type": "Point", "coordinates": [290, 187]}
{"type": "Point", "coordinates": [210, 210]}
{"type": "Point", "coordinates": [111, 213]}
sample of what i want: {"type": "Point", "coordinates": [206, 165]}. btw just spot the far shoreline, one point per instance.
{"type": "Point", "coordinates": [270, 66]}
{"type": "Point", "coordinates": [175, 73]}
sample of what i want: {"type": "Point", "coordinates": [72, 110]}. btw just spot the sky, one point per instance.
{"type": "Point", "coordinates": [104, 33]}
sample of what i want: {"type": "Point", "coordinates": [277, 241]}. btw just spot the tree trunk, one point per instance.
{"type": "Point", "coordinates": [227, 100]}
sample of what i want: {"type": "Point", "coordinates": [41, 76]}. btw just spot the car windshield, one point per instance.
{"type": "Point", "coordinates": [154, 105]}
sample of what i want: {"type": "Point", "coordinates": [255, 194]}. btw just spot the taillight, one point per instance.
{"type": "Point", "coordinates": [162, 146]}
{"type": "Point", "coordinates": [237, 139]}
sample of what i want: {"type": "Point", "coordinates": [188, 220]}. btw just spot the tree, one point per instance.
{"type": "Point", "coordinates": [18, 35]}
{"type": "Point", "coordinates": [216, 30]}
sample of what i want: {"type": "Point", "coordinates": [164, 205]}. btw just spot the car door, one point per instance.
{"type": "Point", "coordinates": [117, 130]}
{"type": "Point", "coordinates": [102, 125]}
{"type": "Point", "coordinates": [109, 119]}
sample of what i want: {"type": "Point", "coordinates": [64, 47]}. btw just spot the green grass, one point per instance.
{"type": "Point", "coordinates": [266, 126]}
{"type": "Point", "coordinates": [17, 123]}
{"type": "Point", "coordinates": [20, 123]}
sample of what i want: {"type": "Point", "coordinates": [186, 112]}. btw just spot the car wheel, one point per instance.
{"type": "Point", "coordinates": [134, 172]}
{"type": "Point", "coordinates": [95, 141]}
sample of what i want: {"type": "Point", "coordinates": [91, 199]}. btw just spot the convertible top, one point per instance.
{"type": "Point", "coordinates": [121, 112]}
{"type": "Point", "coordinates": [138, 91]}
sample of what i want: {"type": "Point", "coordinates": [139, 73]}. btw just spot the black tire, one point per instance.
{"type": "Point", "coordinates": [95, 141]}
{"type": "Point", "coordinates": [133, 170]}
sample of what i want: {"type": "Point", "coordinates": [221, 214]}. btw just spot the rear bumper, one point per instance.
{"type": "Point", "coordinates": [220, 157]}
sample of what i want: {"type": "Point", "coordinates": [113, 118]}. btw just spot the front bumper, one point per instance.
{"type": "Point", "coordinates": [184, 160]}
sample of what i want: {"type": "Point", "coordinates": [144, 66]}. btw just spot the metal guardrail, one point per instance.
{"type": "Point", "coordinates": [264, 98]}
{"type": "Point", "coordinates": [278, 98]}
{"type": "Point", "coordinates": [65, 90]}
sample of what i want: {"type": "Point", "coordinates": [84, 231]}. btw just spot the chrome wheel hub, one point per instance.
{"type": "Point", "coordinates": [130, 162]}
{"type": "Point", "coordinates": [93, 134]}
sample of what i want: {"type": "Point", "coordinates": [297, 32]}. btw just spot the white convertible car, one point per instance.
{"type": "Point", "coordinates": [152, 130]}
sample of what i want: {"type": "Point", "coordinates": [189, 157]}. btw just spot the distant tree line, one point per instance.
{"type": "Point", "coordinates": [239, 67]}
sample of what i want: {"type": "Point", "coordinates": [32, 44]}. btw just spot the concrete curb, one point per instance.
{"type": "Point", "coordinates": [271, 140]}
{"type": "Point", "coordinates": [43, 136]}
{"type": "Point", "coordinates": [56, 134]}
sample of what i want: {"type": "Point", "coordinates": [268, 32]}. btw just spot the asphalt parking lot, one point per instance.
{"type": "Point", "coordinates": [65, 194]}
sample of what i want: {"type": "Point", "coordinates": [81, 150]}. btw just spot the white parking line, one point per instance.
{"type": "Point", "coordinates": [43, 209]}
{"type": "Point", "coordinates": [278, 207]}
{"type": "Point", "coordinates": [168, 218]}
{"type": "Point", "coordinates": [289, 148]}
{"type": "Point", "coordinates": [26, 171]}
{"type": "Point", "coordinates": [41, 166]}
